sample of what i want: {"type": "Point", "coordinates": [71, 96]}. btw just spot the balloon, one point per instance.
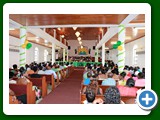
{"type": "Point", "coordinates": [29, 45]}
{"type": "Point", "coordinates": [23, 46]}
{"type": "Point", "coordinates": [118, 43]}
{"type": "Point", "coordinates": [26, 42]}
{"type": "Point", "coordinates": [120, 48]}
{"type": "Point", "coordinates": [115, 46]}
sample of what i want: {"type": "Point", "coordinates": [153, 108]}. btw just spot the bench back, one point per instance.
{"type": "Point", "coordinates": [41, 83]}
{"type": "Point", "coordinates": [21, 89]}
{"type": "Point", "coordinates": [49, 79]}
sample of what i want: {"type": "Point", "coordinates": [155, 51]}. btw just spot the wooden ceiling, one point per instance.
{"type": "Point", "coordinates": [85, 33]}
{"type": "Point", "coordinates": [65, 19]}
{"type": "Point", "coordinates": [71, 19]}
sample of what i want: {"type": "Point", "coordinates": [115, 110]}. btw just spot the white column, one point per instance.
{"type": "Point", "coordinates": [96, 55]}
{"type": "Point", "coordinates": [121, 53]}
{"type": "Point", "coordinates": [54, 33]}
{"type": "Point", "coordinates": [53, 53]}
{"type": "Point", "coordinates": [63, 55]}
{"type": "Point", "coordinates": [65, 41]}
{"type": "Point", "coordinates": [22, 51]}
{"type": "Point", "coordinates": [67, 55]}
{"type": "Point", "coordinates": [60, 39]}
{"type": "Point", "coordinates": [103, 54]}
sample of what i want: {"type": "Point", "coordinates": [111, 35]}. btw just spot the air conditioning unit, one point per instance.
{"type": "Point", "coordinates": [13, 50]}
{"type": "Point", "coordinates": [140, 50]}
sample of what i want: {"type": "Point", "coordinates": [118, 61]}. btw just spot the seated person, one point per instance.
{"type": "Point", "coordinates": [90, 97]}
{"type": "Point", "coordinates": [93, 86]}
{"type": "Point", "coordinates": [29, 71]}
{"type": "Point", "coordinates": [102, 76]}
{"type": "Point", "coordinates": [40, 71]}
{"type": "Point", "coordinates": [89, 68]}
{"type": "Point", "coordinates": [21, 72]}
{"type": "Point", "coordinates": [115, 74]}
{"type": "Point", "coordinates": [121, 79]}
{"type": "Point", "coordinates": [141, 81]}
{"type": "Point", "coordinates": [88, 79]}
{"type": "Point", "coordinates": [111, 96]}
{"type": "Point", "coordinates": [49, 71]}
{"type": "Point", "coordinates": [109, 81]}
{"type": "Point", "coordinates": [15, 69]}
{"type": "Point", "coordinates": [35, 74]}
{"type": "Point", "coordinates": [11, 74]}
{"type": "Point", "coordinates": [129, 89]}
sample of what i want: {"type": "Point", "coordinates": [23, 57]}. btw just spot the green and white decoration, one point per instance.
{"type": "Point", "coordinates": [121, 48]}
{"type": "Point", "coordinates": [22, 50]}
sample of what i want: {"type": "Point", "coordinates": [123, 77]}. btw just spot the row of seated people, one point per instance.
{"type": "Point", "coordinates": [127, 90]}
{"type": "Point", "coordinates": [99, 79]}
{"type": "Point", "coordinates": [35, 81]}
{"type": "Point", "coordinates": [111, 96]}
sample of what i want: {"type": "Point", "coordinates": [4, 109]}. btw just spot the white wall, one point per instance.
{"type": "Point", "coordinates": [74, 45]}
{"type": "Point", "coordinates": [14, 56]}
{"type": "Point", "coordinates": [129, 53]}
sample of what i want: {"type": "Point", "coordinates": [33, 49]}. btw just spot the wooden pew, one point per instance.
{"type": "Point", "coordinates": [123, 98]}
{"type": "Point", "coordinates": [70, 70]}
{"type": "Point", "coordinates": [58, 82]}
{"type": "Point", "coordinates": [49, 80]}
{"type": "Point", "coordinates": [126, 98]}
{"type": "Point", "coordinates": [11, 100]}
{"type": "Point", "coordinates": [41, 83]}
{"type": "Point", "coordinates": [99, 82]}
{"type": "Point", "coordinates": [65, 72]}
{"type": "Point", "coordinates": [20, 89]}
{"type": "Point", "coordinates": [104, 87]}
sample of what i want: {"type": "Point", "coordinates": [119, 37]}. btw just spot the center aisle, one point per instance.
{"type": "Point", "coordinates": [68, 92]}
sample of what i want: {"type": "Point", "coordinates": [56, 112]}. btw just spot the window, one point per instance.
{"type": "Point", "coordinates": [36, 54]}
{"type": "Point", "coordinates": [45, 55]}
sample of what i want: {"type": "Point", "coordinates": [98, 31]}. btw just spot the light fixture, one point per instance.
{"type": "Point", "coordinates": [74, 28]}
{"type": "Point", "coordinates": [62, 36]}
{"type": "Point", "coordinates": [81, 46]}
{"type": "Point", "coordinates": [77, 34]}
{"type": "Point", "coordinates": [113, 42]}
{"type": "Point", "coordinates": [101, 29]}
{"type": "Point", "coordinates": [59, 28]}
{"type": "Point", "coordinates": [79, 38]}
{"type": "Point", "coordinates": [11, 28]}
{"type": "Point", "coordinates": [45, 41]}
{"type": "Point", "coordinates": [135, 31]}
{"type": "Point", "coordinates": [106, 48]}
{"type": "Point", "coordinates": [37, 40]}
{"type": "Point", "coordinates": [80, 42]}
{"type": "Point", "coordinates": [128, 37]}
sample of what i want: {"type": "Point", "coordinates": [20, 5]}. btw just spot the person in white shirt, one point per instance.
{"type": "Point", "coordinates": [40, 70]}
{"type": "Point", "coordinates": [11, 81]}
{"type": "Point", "coordinates": [49, 71]}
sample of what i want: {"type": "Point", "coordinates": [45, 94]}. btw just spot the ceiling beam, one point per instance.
{"type": "Point", "coordinates": [114, 30]}
{"type": "Point", "coordinates": [87, 25]}
{"type": "Point", "coordinates": [40, 33]}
